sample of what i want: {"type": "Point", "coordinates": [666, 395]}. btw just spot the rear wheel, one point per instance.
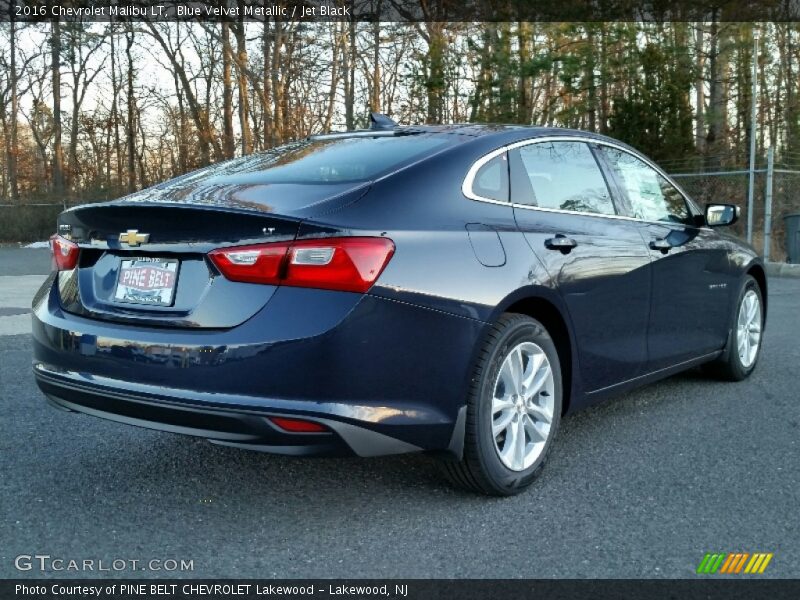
{"type": "Point", "coordinates": [744, 346]}
{"type": "Point", "coordinates": [513, 410]}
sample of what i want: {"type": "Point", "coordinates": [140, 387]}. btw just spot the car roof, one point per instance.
{"type": "Point", "coordinates": [518, 132]}
{"type": "Point", "coordinates": [497, 133]}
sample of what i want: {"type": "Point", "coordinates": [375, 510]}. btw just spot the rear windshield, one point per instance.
{"type": "Point", "coordinates": [340, 160]}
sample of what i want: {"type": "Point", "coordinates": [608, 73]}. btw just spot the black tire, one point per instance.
{"type": "Point", "coordinates": [481, 470]}
{"type": "Point", "coordinates": [729, 366]}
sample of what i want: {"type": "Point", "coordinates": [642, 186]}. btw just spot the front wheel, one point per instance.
{"type": "Point", "coordinates": [513, 410]}
{"type": "Point", "coordinates": [744, 346]}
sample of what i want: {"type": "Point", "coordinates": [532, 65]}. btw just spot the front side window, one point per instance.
{"type": "Point", "coordinates": [559, 175]}
{"type": "Point", "coordinates": [651, 196]}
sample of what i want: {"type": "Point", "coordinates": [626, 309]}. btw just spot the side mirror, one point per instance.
{"type": "Point", "coordinates": [719, 215]}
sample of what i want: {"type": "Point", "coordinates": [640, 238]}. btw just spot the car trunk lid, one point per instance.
{"type": "Point", "coordinates": [144, 260]}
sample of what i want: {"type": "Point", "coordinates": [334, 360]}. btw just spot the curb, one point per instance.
{"type": "Point", "coordinates": [776, 269]}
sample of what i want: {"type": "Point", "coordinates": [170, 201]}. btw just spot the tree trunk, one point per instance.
{"type": "Point", "coordinates": [73, 39]}
{"type": "Point", "coordinates": [7, 148]}
{"type": "Point", "coordinates": [716, 99]}
{"type": "Point", "coordinates": [700, 90]}
{"type": "Point", "coordinates": [244, 98]}
{"type": "Point", "coordinates": [590, 79]}
{"type": "Point", "coordinates": [764, 115]}
{"type": "Point", "coordinates": [337, 40]}
{"type": "Point", "coordinates": [483, 87]}
{"type": "Point", "coordinates": [285, 97]}
{"type": "Point", "coordinates": [375, 96]}
{"type": "Point", "coordinates": [130, 127]}
{"type": "Point", "coordinates": [58, 151]}
{"type": "Point", "coordinates": [524, 100]}
{"type": "Point", "coordinates": [114, 107]}
{"type": "Point", "coordinates": [277, 84]}
{"type": "Point", "coordinates": [434, 83]}
{"type": "Point", "coordinates": [183, 127]}
{"type": "Point", "coordinates": [227, 93]}
{"type": "Point", "coordinates": [14, 145]}
{"type": "Point", "coordinates": [267, 86]}
{"type": "Point", "coordinates": [792, 104]}
{"type": "Point", "coordinates": [604, 76]}
{"type": "Point", "coordinates": [349, 77]}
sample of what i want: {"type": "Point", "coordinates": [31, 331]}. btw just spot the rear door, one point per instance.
{"type": "Point", "coordinates": [598, 261]}
{"type": "Point", "coordinates": [691, 277]}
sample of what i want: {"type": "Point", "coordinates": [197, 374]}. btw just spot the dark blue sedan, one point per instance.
{"type": "Point", "coordinates": [448, 289]}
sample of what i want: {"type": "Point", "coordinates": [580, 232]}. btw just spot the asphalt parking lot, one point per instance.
{"type": "Point", "coordinates": [642, 486]}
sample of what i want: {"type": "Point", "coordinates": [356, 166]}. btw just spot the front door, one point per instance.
{"type": "Point", "coordinates": [692, 287]}
{"type": "Point", "coordinates": [599, 263]}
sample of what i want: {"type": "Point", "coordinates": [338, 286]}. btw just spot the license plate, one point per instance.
{"type": "Point", "coordinates": [147, 281]}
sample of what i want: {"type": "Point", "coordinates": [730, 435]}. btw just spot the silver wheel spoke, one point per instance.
{"type": "Point", "coordinates": [508, 454]}
{"type": "Point", "coordinates": [500, 404]}
{"type": "Point", "coordinates": [539, 413]}
{"type": "Point", "coordinates": [501, 424]}
{"type": "Point", "coordinates": [531, 373]}
{"type": "Point", "coordinates": [515, 368]}
{"type": "Point", "coordinates": [519, 455]}
{"type": "Point", "coordinates": [751, 309]}
{"type": "Point", "coordinates": [533, 431]}
{"type": "Point", "coordinates": [539, 378]}
{"type": "Point", "coordinates": [507, 378]}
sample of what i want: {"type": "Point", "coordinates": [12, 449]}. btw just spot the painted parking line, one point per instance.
{"type": "Point", "coordinates": [15, 325]}
{"type": "Point", "coordinates": [16, 293]}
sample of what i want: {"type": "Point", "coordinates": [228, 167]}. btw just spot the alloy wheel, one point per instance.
{"type": "Point", "coordinates": [522, 406]}
{"type": "Point", "coordinates": [749, 328]}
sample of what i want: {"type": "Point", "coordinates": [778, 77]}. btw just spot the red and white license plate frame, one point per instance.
{"type": "Point", "coordinates": [147, 281]}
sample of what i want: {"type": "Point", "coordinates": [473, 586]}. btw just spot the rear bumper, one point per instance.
{"type": "Point", "coordinates": [384, 377]}
{"type": "Point", "coordinates": [235, 427]}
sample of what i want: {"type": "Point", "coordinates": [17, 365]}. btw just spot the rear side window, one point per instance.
{"type": "Point", "coordinates": [491, 180]}
{"type": "Point", "coordinates": [651, 196]}
{"type": "Point", "coordinates": [559, 175]}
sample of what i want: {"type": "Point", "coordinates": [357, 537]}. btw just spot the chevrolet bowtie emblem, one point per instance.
{"type": "Point", "coordinates": [132, 237]}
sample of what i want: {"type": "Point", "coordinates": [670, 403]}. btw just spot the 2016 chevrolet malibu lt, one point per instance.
{"type": "Point", "coordinates": [448, 289]}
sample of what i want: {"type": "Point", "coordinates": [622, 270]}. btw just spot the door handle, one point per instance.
{"type": "Point", "coordinates": [661, 244]}
{"type": "Point", "coordinates": [560, 242]}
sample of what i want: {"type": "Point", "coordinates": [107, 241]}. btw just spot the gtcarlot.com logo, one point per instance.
{"type": "Point", "coordinates": [45, 562]}
{"type": "Point", "coordinates": [734, 563]}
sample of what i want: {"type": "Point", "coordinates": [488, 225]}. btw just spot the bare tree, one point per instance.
{"type": "Point", "coordinates": [55, 65]}
{"type": "Point", "coordinates": [114, 101]}
{"type": "Point", "coordinates": [242, 66]}
{"type": "Point", "coordinates": [82, 44]}
{"type": "Point", "coordinates": [13, 146]}
{"type": "Point", "coordinates": [130, 125]}
{"type": "Point", "coordinates": [208, 140]}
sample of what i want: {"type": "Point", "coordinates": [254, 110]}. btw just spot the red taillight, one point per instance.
{"type": "Point", "coordinates": [65, 253]}
{"type": "Point", "coordinates": [349, 264]}
{"type": "Point", "coordinates": [298, 425]}
{"type": "Point", "coordinates": [252, 264]}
